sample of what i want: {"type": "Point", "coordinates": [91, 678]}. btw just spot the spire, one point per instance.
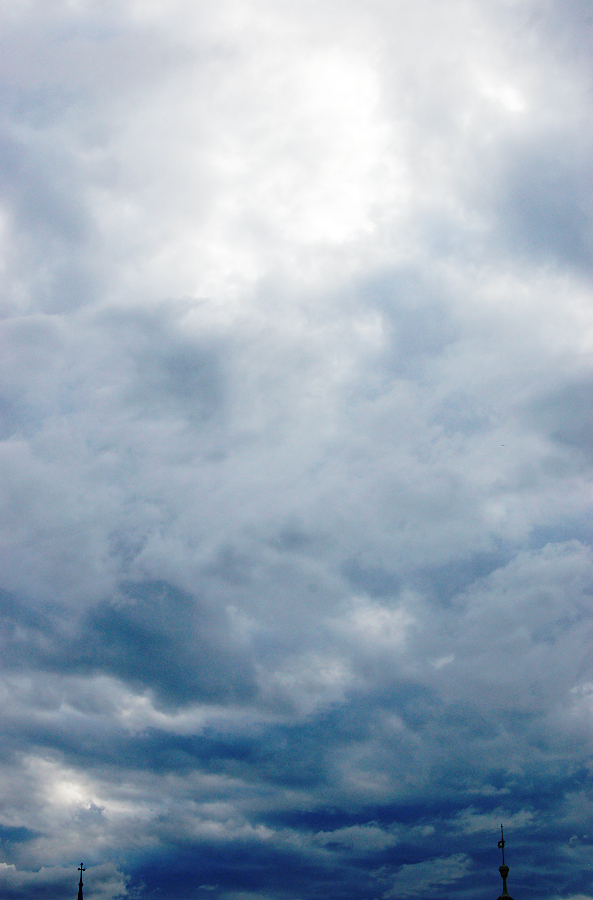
{"type": "Point", "coordinates": [504, 869]}
{"type": "Point", "coordinates": [81, 869]}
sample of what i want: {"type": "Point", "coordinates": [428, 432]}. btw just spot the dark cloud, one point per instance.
{"type": "Point", "coordinates": [153, 636]}
{"type": "Point", "coordinates": [169, 372]}
{"type": "Point", "coordinates": [373, 580]}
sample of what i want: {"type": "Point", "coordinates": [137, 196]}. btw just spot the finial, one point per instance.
{"type": "Point", "coordinates": [501, 843]}
{"type": "Point", "coordinates": [504, 869]}
{"type": "Point", "coordinates": [81, 869]}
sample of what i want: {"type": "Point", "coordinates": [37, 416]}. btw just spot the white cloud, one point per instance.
{"type": "Point", "coordinates": [414, 879]}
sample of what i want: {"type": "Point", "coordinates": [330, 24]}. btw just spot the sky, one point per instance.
{"type": "Point", "coordinates": [296, 449]}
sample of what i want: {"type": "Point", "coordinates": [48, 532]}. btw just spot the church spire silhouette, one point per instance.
{"type": "Point", "coordinates": [504, 869]}
{"type": "Point", "coordinates": [81, 869]}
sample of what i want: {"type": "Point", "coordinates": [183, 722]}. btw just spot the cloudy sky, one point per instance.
{"type": "Point", "coordinates": [296, 449]}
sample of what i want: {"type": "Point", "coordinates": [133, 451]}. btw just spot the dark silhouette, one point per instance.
{"type": "Point", "coordinates": [81, 869]}
{"type": "Point", "coordinates": [504, 869]}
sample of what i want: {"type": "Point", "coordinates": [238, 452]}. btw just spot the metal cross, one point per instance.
{"type": "Point", "coordinates": [501, 843]}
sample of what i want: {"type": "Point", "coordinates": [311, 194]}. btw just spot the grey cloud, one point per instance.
{"type": "Point", "coordinates": [9, 419]}
{"type": "Point", "coordinates": [106, 882]}
{"type": "Point", "coordinates": [188, 378]}
{"type": "Point", "coordinates": [153, 636]}
{"type": "Point", "coordinates": [168, 371]}
{"type": "Point", "coordinates": [42, 201]}
{"type": "Point", "coordinates": [416, 318]}
{"type": "Point", "coordinates": [460, 412]}
{"type": "Point", "coordinates": [546, 211]}
{"type": "Point", "coordinates": [374, 580]}
{"type": "Point", "coordinates": [49, 230]}
{"type": "Point", "coordinates": [414, 879]}
{"type": "Point", "coordinates": [567, 415]}
{"type": "Point", "coordinates": [157, 637]}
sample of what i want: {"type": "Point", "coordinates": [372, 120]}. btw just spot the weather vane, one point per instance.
{"type": "Point", "coordinates": [501, 843]}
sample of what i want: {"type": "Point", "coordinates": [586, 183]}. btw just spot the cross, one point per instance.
{"type": "Point", "coordinates": [501, 843]}
{"type": "Point", "coordinates": [81, 869]}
